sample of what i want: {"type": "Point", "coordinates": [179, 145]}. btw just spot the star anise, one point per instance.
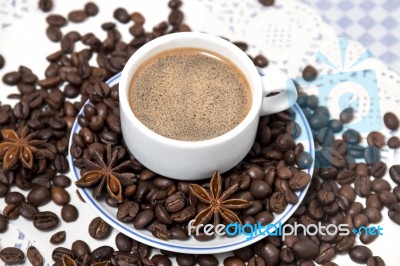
{"type": "Point", "coordinates": [219, 204]}
{"type": "Point", "coordinates": [21, 148]}
{"type": "Point", "coordinates": [108, 174]}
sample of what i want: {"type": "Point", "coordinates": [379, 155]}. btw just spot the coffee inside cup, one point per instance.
{"type": "Point", "coordinates": [189, 94]}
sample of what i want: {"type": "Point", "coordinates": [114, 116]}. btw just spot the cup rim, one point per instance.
{"type": "Point", "coordinates": [253, 78]}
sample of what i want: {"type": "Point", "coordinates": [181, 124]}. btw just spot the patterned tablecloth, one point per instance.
{"type": "Point", "coordinates": [373, 23]}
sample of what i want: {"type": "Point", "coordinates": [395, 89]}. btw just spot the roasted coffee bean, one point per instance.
{"type": "Point", "coordinates": [355, 208]}
{"type": "Point", "coordinates": [233, 261]}
{"type": "Point", "coordinates": [394, 172]}
{"type": "Point", "coordinates": [373, 201]}
{"type": "Point", "coordinates": [186, 259]}
{"type": "Point", "coordinates": [175, 202]}
{"type": "Point", "coordinates": [362, 186]}
{"type": "Point", "coordinates": [360, 254]}
{"type": "Point", "coordinates": [80, 248]}
{"type": "Point", "coordinates": [28, 210]}
{"type": "Point", "coordinates": [304, 160]}
{"type": "Point", "coordinates": [60, 196]}
{"type": "Point", "coordinates": [77, 16]}
{"type": "Point", "coordinates": [34, 256]}
{"type": "Point", "coordinates": [91, 9]}
{"type": "Point", "coordinates": [393, 142]}
{"type": "Point", "coordinates": [244, 253]}
{"type": "Point", "coordinates": [360, 220]}
{"type": "Point", "coordinates": [11, 255]}
{"type": "Point", "coordinates": [11, 211]}
{"type": "Point", "coordinates": [391, 121]}
{"type": "Point", "coordinates": [394, 213]}
{"type": "Point", "coordinates": [59, 252]}
{"type": "Point", "coordinates": [39, 196]}
{"type": "Point", "coordinates": [372, 155]}
{"type": "Point", "coordinates": [61, 181]}
{"type": "Point", "coordinates": [162, 214]}
{"type": "Point", "coordinates": [260, 61]}
{"type": "Point", "coordinates": [326, 197]}
{"type": "Point", "coordinates": [378, 169]}
{"type": "Point", "coordinates": [305, 249]}
{"type": "Point", "coordinates": [379, 185]}
{"type": "Point", "coordinates": [12, 78]}
{"type": "Point", "coordinates": [124, 258]}
{"type": "Point", "coordinates": [45, 5]}
{"type": "Point", "coordinates": [207, 260]}
{"type": "Point", "coordinates": [127, 211]}
{"type": "Point", "coordinates": [374, 215]}
{"type": "Point", "coordinates": [56, 20]}
{"type": "Point", "coordinates": [347, 115]}
{"type": "Point", "coordinates": [259, 188]}
{"type": "Point", "coordinates": [123, 242]}
{"type": "Point", "coordinates": [69, 213]}
{"type": "Point", "coordinates": [2, 61]}
{"type": "Point", "coordinates": [54, 33]}
{"type": "Point", "coordinates": [326, 254]}
{"type": "Point", "coordinates": [387, 198]}
{"type": "Point", "coordinates": [45, 220]}
{"type": "Point", "coordinates": [161, 260]}
{"type": "Point", "coordinates": [121, 15]}
{"type": "Point", "coordinates": [102, 253]}
{"type": "Point", "coordinates": [376, 138]}
{"type": "Point", "coordinates": [143, 219]}
{"type": "Point", "coordinates": [345, 244]}
{"type": "Point", "coordinates": [58, 238]}
{"type": "Point", "coordinates": [285, 142]}
{"type": "Point", "coordinates": [299, 181]}
{"type": "Point", "coordinates": [335, 125]}
{"type": "Point", "coordinates": [270, 254]}
{"type": "Point", "coordinates": [14, 197]}
{"type": "Point", "coordinates": [348, 192]}
{"type": "Point", "coordinates": [99, 229]}
{"type": "Point", "coordinates": [309, 72]}
{"type": "Point", "coordinates": [3, 224]}
{"type": "Point", "coordinates": [375, 261]}
{"type": "Point", "coordinates": [367, 238]}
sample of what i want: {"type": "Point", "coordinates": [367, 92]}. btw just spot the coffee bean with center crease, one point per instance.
{"type": "Point", "coordinates": [59, 252]}
{"type": "Point", "coordinates": [45, 5]}
{"type": "Point", "coordinates": [391, 121]}
{"type": "Point", "coordinates": [58, 238]}
{"type": "Point", "coordinates": [362, 186]}
{"type": "Point", "coordinates": [175, 202]}
{"type": "Point", "coordinates": [11, 255]}
{"type": "Point", "coordinates": [376, 138]}
{"type": "Point", "coordinates": [387, 198]}
{"type": "Point", "coordinates": [378, 169]}
{"type": "Point", "coordinates": [360, 254]}
{"type": "Point", "coordinates": [393, 142]}
{"type": "Point", "coordinates": [394, 172]}
{"type": "Point", "coordinates": [54, 33]}
{"type": "Point", "coordinates": [299, 181]}
{"type": "Point", "coordinates": [99, 229]}
{"type": "Point", "coordinates": [28, 210]}
{"type": "Point", "coordinates": [34, 256]}
{"type": "Point", "coordinates": [45, 220]}
{"type": "Point", "coordinates": [375, 261]}
{"type": "Point", "coordinates": [394, 213]}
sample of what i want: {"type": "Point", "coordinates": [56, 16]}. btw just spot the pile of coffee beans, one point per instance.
{"type": "Point", "coordinates": [268, 177]}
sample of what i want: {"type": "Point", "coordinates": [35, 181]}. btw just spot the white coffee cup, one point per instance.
{"type": "Point", "coordinates": [191, 160]}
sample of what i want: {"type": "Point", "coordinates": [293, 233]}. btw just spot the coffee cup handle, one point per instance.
{"type": "Point", "coordinates": [276, 81]}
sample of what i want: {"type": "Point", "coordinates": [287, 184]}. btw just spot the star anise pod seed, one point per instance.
{"type": "Point", "coordinates": [22, 148]}
{"type": "Point", "coordinates": [67, 261]}
{"type": "Point", "coordinates": [219, 204]}
{"type": "Point", "coordinates": [108, 174]}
